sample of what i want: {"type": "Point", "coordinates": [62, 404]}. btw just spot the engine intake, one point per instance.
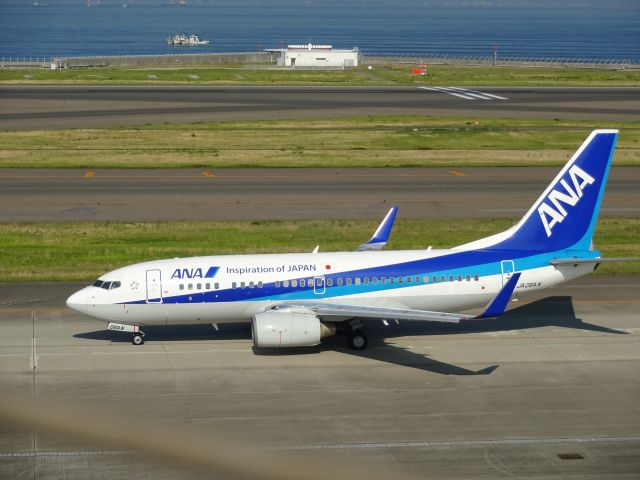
{"type": "Point", "coordinates": [283, 328]}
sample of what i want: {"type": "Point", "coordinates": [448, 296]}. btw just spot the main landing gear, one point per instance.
{"type": "Point", "coordinates": [357, 339]}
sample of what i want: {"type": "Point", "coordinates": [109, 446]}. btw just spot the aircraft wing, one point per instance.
{"type": "Point", "coordinates": [326, 310]}
{"type": "Point", "coordinates": [495, 308]}
{"type": "Point", "coordinates": [381, 235]}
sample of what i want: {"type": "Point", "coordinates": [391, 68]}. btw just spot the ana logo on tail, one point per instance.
{"type": "Point", "coordinates": [550, 215]}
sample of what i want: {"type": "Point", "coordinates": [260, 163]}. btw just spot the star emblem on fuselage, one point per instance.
{"type": "Point", "coordinates": [134, 285]}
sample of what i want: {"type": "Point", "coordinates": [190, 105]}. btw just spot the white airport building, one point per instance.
{"type": "Point", "coordinates": [315, 56]}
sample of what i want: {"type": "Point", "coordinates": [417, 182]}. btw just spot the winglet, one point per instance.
{"type": "Point", "coordinates": [498, 305]}
{"type": "Point", "coordinates": [381, 235]}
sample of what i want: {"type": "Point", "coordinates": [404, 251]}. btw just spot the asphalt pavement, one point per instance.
{"type": "Point", "coordinates": [250, 194]}
{"type": "Point", "coordinates": [45, 107]}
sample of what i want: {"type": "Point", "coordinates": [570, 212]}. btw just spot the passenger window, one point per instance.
{"type": "Point", "coordinates": [408, 279]}
{"type": "Point", "coordinates": [451, 278]}
{"type": "Point", "coordinates": [251, 284]}
{"type": "Point", "coordinates": [443, 278]}
{"type": "Point", "coordinates": [468, 278]}
{"type": "Point", "coordinates": [234, 285]}
{"type": "Point", "coordinates": [349, 281]}
{"type": "Point", "coordinates": [329, 282]}
{"type": "Point", "coordinates": [260, 284]}
{"type": "Point", "coordinates": [190, 286]}
{"type": "Point", "coordinates": [418, 279]}
{"type": "Point", "coordinates": [374, 280]}
{"type": "Point", "coordinates": [434, 279]}
{"type": "Point", "coordinates": [392, 279]}
{"type": "Point", "coordinates": [242, 284]}
{"type": "Point", "coordinates": [207, 286]}
{"type": "Point", "coordinates": [357, 280]}
{"type": "Point", "coordinates": [181, 286]}
{"type": "Point", "coordinates": [426, 279]}
{"type": "Point", "coordinates": [310, 282]}
{"type": "Point", "coordinates": [400, 279]}
{"type": "Point", "coordinates": [366, 280]}
{"type": "Point", "coordinates": [459, 278]}
{"type": "Point", "coordinates": [216, 285]}
{"type": "Point", "coordinates": [383, 280]}
{"type": "Point", "coordinates": [475, 277]}
{"type": "Point", "coordinates": [339, 281]}
{"type": "Point", "coordinates": [286, 283]}
{"type": "Point", "coordinates": [199, 286]}
{"type": "Point", "coordinates": [294, 283]}
{"type": "Point", "coordinates": [278, 284]}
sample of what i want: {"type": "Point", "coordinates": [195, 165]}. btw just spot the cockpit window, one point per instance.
{"type": "Point", "coordinates": [106, 285]}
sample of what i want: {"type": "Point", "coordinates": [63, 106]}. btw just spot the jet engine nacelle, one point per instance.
{"type": "Point", "coordinates": [283, 328]}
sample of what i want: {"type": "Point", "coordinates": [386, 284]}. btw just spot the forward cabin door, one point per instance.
{"type": "Point", "coordinates": [508, 269]}
{"type": "Point", "coordinates": [154, 286]}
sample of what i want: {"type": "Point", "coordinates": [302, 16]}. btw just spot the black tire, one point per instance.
{"type": "Point", "coordinates": [137, 339]}
{"type": "Point", "coordinates": [357, 339]}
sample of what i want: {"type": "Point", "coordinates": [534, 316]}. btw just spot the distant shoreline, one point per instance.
{"type": "Point", "coordinates": [267, 59]}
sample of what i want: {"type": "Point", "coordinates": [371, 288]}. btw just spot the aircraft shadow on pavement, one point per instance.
{"type": "Point", "coordinates": [550, 311]}
{"type": "Point", "coordinates": [176, 333]}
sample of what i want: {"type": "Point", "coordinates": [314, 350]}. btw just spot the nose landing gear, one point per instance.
{"type": "Point", "coordinates": [138, 338]}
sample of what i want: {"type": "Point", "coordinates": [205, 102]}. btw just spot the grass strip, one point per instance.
{"type": "Point", "coordinates": [379, 74]}
{"type": "Point", "coordinates": [362, 141]}
{"type": "Point", "coordinates": [83, 251]}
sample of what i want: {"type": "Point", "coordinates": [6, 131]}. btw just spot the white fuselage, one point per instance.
{"type": "Point", "coordinates": [219, 289]}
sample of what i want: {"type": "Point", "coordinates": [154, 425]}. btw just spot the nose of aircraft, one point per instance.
{"type": "Point", "coordinates": [78, 301]}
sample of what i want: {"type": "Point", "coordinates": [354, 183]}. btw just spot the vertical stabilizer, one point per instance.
{"type": "Point", "coordinates": [565, 215]}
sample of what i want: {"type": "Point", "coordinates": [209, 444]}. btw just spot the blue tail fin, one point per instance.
{"type": "Point", "coordinates": [565, 215]}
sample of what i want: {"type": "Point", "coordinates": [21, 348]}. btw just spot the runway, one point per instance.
{"type": "Point", "coordinates": [250, 194]}
{"type": "Point", "coordinates": [45, 107]}
{"type": "Point", "coordinates": [549, 391]}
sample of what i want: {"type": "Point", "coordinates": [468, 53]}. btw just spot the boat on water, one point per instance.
{"type": "Point", "coordinates": [189, 40]}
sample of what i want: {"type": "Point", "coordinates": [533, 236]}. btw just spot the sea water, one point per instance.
{"type": "Point", "coordinates": [586, 29]}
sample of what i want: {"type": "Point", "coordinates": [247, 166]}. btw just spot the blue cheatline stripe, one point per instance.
{"type": "Point", "coordinates": [480, 262]}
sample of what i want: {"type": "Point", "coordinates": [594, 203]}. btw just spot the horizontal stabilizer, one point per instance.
{"type": "Point", "coordinates": [498, 305]}
{"type": "Point", "coordinates": [381, 235]}
{"type": "Point", "coordinates": [558, 262]}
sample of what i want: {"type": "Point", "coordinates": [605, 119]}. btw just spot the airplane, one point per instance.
{"type": "Point", "coordinates": [297, 299]}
